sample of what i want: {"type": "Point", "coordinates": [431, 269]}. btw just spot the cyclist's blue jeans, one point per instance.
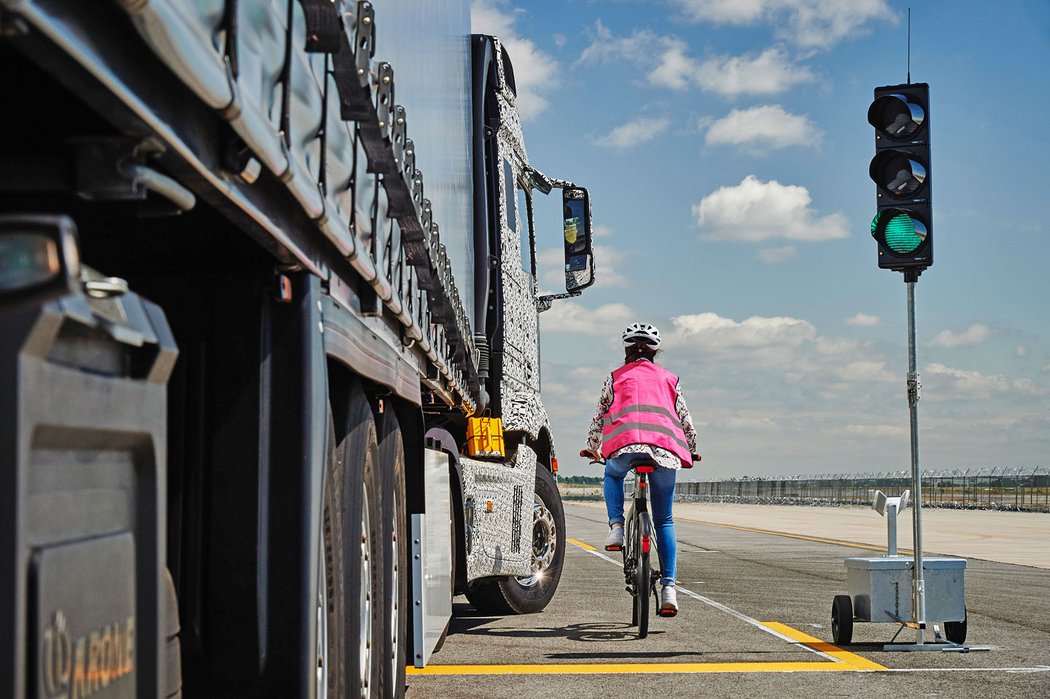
{"type": "Point", "coordinates": [661, 495]}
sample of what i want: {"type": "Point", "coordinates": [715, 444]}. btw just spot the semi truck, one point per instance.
{"type": "Point", "coordinates": [269, 345]}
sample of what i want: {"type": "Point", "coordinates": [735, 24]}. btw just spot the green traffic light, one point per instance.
{"type": "Point", "coordinates": [902, 233]}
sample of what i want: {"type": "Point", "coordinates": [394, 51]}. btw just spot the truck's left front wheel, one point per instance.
{"type": "Point", "coordinates": [531, 593]}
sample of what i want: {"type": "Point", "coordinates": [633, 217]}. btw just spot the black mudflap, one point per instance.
{"type": "Point", "coordinates": [82, 497]}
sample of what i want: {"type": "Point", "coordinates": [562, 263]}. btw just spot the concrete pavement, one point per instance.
{"type": "Point", "coordinates": [754, 622]}
{"type": "Point", "coordinates": [1021, 538]}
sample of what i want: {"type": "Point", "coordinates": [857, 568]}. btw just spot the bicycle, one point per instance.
{"type": "Point", "coordinates": [640, 543]}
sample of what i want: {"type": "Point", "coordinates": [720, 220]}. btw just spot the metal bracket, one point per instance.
{"type": "Point", "coordinates": [913, 388]}
{"type": "Point", "coordinates": [115, 169]}
{"type": "Point", "coordinates": [543, 303]}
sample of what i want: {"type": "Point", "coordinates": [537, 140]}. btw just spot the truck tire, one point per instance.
{"type": "Point", "coordinates": [172, 650]}
{"type": "Point", "coordinates": [353, 555]}
{"type": "Point", "coordinates": [531, 593]}
{"type": "Point", "coordinates": [395, 554]}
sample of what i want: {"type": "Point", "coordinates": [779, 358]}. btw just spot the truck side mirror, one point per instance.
{"type": "Point", "coordinates": [39, 259]}
{"type": "Point", "coordinates": [579, 258]}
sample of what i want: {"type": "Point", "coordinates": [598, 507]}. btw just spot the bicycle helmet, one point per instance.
{"type": "Point", "coordinates": [641, 333]}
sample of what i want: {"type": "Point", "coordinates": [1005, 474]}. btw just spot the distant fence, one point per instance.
{"type": "Point", "coordinates": [1021, 489]}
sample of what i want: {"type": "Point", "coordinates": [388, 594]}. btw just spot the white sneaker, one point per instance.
{"type": "Point", "coordinates": [614, 542]}
{"type": "Point", "coordinates": [668, 601]}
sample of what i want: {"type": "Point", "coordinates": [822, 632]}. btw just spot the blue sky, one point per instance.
{"type": "Point", "coordinates": [726, 148]}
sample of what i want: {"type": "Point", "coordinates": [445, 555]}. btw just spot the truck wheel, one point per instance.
{"type": "Point", "coordinates": [395, 555]}
{"type": "Point", "coordinates": [172, 651]}
{"type": "Point", "coordinates": [352, 556]}
{"type": "Point", "coordinates": [534, 592]}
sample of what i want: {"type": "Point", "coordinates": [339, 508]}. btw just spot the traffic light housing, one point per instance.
{"type": "Point", "coordinates": [903, 223]}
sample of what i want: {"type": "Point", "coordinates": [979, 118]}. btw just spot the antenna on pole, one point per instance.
{"type": "Point", "coordinates": [909, 46]}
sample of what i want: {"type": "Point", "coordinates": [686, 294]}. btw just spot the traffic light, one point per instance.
{"type": "Point", "coordinates": [903, 223]}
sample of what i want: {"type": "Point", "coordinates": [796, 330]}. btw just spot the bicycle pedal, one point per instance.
{"type": "Point", "coordinates": [666, 613]}
{"type": "Point", "coordinates": [614, 548]}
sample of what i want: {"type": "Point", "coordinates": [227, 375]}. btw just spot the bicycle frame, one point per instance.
{"type": "Point", "coordinates": [640, 546]}
{"type": "Point", "coordinates": [640, 542]}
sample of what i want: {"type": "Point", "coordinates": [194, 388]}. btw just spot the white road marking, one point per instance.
{"type": "Point", "coordinates": [732, 612]}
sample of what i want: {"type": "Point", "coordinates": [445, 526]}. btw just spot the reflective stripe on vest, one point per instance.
{"type": "Point", "coordinates": [643, 411]}
{"type": "Point", "coordinates": [645, 427]}
{"type": "Point", "coordinates": [609, 419]}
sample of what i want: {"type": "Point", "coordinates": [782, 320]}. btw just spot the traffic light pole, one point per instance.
{"type": "Point", "coordinates": [918, 579]}
{"type": "Point", "coordinates": [903, 231]}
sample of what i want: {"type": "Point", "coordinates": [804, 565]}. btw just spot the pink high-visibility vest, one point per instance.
{"type": "Point", "coordinates": [643, 411]}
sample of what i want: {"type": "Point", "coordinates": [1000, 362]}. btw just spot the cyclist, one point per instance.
{"type": "Point", "coordinates": [642, 414]}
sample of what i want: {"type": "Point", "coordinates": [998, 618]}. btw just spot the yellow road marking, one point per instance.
{"type": "Point", "coordinates": [629, 668]}
{"type": "Point", "coordinates": [585, 547]}
{"type": "Point", "coordinates": [844, 656]}
{"type": "Point", "coordinates": [819, 540]}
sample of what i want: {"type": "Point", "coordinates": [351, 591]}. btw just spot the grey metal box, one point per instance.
{"type": "Point", "coordinates": [881, 588]}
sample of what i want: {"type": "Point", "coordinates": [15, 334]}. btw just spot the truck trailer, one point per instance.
{"type": "Point", "coordinates": [269, 395]}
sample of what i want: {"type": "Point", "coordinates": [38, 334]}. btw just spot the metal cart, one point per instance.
{"type": "Point", "coordinates": [882, 589]}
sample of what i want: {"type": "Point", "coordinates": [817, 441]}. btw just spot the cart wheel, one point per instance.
{"type": "Point", "coordinates": [955, 631]}
{"type": "Point", "coordinates": [842, 620]}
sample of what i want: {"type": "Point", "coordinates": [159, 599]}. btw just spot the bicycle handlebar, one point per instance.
{"type": "Point", "coordinates": [597, 459]}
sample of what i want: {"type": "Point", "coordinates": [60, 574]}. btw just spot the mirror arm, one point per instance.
{"type": "Point", "coordinates": [539, 181]}
{"type": "Point", "coordinates": [532, 234]}
{"type": "Point", "coordinates": [543, 303]}
{"type": "Point", "coordinates": [546, 184]}
{"type": "Point", "coordinates": [562, 184]}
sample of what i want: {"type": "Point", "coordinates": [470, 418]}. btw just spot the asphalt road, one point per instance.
{"type": "Point", "coordinates": [754, 622]}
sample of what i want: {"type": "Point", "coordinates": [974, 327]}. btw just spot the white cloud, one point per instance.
{"type": "Point", "coordinates": [534, 70]}
{"type": "Point", "coordinates": [774, 256]}
{"type": "Point", "coordinates": [762, 128]}
{"type": "Point", "coordinates": [754, 211]}
{"type": "Point", "coordinates": [807, 23]}
{"type": "Point", "coordinates": [768, 73]}
{"type": "Point", "coordinates": [634, 133]}
{"type": "Point", "coordinates": [792, 347]}
{"type": "Point", "coordinates": [974, 382]}
{"type": "Point", "coordinates": [667, 63]}
{"type": "Point", "coordinates": [724, 11]}
{"type": "Point", "coordinates": [749, 423]}
{"type": "Point", "coordinates": [607, 272]}
{"type": "Point", "coordinates": [1020, 351]}
{"type": "Point", "coordinates": [860, 372]}
{"type": "Point", "coordinates": [571, 317]}
{"type": "Point", "coordinates": [675, 68]}
{"type": "Point", "coordinates": [604, 47]}
{"type": "Point", "coordinates": [873, 431]}
{"type": "Point", "coordinates": [974, 335]}
{"type": "Point", "coordinates": [863, 320]}
{"type": "Point", "coordinates": [665, 58]}
{"type": "Point", "coordinates": [712, 331]}
{"type": "Point", "coordinates": [837, 347]}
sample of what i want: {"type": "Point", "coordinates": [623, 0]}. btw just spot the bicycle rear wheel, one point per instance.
{"type": "Point", "coordinates": [643, 573]}
{"type": "Point", "coordinates": [629, 573]}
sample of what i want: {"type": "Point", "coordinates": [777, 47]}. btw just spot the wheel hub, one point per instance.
{"type": "Point", "coordinates": [544, 544]}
